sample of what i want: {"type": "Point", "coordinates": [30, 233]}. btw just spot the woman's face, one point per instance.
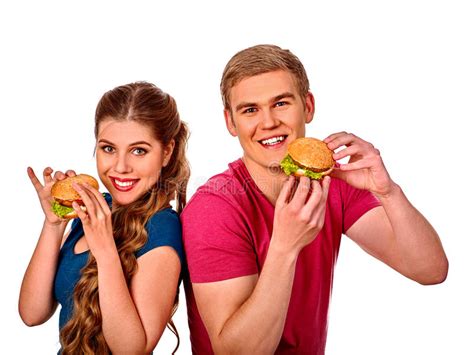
{"type": "Point", "coordinates": [129, 159]}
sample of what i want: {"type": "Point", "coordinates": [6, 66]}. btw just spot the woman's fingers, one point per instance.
{"type": "Point", "coordinates": [99, 198]}
{"type": "Point", "coordinates": [88, 200]}
{"type": "Point", "coordinates": [59, 175]}
{"type": "Point", "coordinates": [34, 180]}
{"type": "Point", "coordinates": [47, 175]}
{"type": "Point", "coordinates": [84, 217]}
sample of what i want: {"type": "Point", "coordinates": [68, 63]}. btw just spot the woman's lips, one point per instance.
{"type": "Point", "coordinates": [123, 185]}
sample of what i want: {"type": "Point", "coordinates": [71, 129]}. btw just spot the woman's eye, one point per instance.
{"type": "Point", "coordinates": [107, 148]}
{"type": "Point", "coordinates": [139, 151]}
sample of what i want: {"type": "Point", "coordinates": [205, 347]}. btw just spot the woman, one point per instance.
{"type": "Point", "coordinates": [116, 273]}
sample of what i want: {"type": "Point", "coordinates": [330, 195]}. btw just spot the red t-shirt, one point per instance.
{"type": "Point", "coordinates": [227, 226]}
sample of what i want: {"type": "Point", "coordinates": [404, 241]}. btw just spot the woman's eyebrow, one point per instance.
{"type": "Point", "coordinates": [131, 144]}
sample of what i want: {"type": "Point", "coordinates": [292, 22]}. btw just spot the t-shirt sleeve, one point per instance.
{"type": "Point", "coordinates": [356, 203]}
{"type": "Point", "coordinates": [164, 229]}
{"type": "Point", "coordinates": [217, 240]}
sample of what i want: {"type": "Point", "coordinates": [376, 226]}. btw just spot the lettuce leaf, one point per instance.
{"type": "Point", "coordinates": [60, 210]}
{"type": "Point", "coordinates": [289, 167]}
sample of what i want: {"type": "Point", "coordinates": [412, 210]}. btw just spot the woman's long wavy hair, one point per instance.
{"type": "Point", "coordinates": [148, 105]}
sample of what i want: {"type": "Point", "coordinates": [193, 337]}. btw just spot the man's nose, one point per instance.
{"type": "Point", "coordinates": [269, 119]}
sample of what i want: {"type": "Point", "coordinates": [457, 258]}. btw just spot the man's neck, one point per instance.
{"type": "Point", "coordinates": [269, 180]}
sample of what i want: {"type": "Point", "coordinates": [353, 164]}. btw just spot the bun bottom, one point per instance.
{"type": "Point", "coordinates": [301, 172]}
{"type": "Point", "coordinates": [73, 214]}
{"type": "Point", "coordinates": [70, 215]}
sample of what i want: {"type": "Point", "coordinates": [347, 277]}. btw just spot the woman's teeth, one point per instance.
{"type": "Point", "coordinates": [124, 183]}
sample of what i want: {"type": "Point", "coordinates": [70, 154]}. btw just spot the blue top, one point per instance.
{"type": "Point", "coordinates": [164, 229]}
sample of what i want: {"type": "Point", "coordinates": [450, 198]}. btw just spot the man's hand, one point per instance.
{"type": "Point", "coordinates": [300, 216]}
{"type": "Point", "coordinates": [365, 169]}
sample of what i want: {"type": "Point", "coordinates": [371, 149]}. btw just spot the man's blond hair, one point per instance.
{"type": "Point", "coordinates": [261, 59]}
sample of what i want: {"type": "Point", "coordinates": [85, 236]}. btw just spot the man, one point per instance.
{"type": "Point", "coordinates": [261, 247]}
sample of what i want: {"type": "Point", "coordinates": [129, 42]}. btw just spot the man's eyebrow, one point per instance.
{"type": "Point", "coordinates": [244, 104]}
{"type": "Point", "coordinates": [285, 95]}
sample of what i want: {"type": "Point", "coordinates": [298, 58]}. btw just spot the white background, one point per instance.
{"type": "Point", "coordinates": [399, 74]}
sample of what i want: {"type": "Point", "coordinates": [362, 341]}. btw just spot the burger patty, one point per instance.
{"type": "Point", "coordinates": [315, 170]}
{"type": "Point", "coordinates": [68, 203]}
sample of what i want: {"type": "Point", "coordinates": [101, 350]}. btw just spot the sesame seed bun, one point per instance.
{"type": "Point", "coordinates": [308, 157]}
{"type": "Point", "coordinates": [64, 194]}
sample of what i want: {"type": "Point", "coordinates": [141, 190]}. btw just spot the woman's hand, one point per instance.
{"type": "Point", "coordinates": [44, 191]}
{"type": "Point", "coordinates": [365, 169]}
{"type": "Point", "coordinates": [96, 220]}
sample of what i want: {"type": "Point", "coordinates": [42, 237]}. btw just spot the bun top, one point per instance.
{"type": "Point", "coordinates": [63, 189]}
{"type": "Point", "coordinates": [311, 153]}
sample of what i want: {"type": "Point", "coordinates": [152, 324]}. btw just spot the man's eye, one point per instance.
{"type": "Point", "coordinates": [139, 151]}
{"type": "Point", "coordinates": [250, 110]}
{"type": "Point", "coordinates": [280, 103]}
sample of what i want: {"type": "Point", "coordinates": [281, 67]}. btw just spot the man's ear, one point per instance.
{"type": "Point", "coordinates": [309, 107]}
{"type": "Point", "coordinates": [229, 122]}
{"type": "Point", "coordinates": [168, 152]}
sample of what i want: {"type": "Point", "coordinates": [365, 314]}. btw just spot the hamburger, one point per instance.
{"type": "Point", "coordinates": [308, 157]}
{"type": "Point", "coordinates": [64, 195]}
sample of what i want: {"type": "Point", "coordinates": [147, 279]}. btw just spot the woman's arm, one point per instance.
{"type": "Point", "coordinates": [132, 320]}
{"type": "Point", "coordinates": [36, 302]}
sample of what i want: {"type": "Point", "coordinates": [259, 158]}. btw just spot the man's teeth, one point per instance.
{"type": "Point", "coordinates": [273, 140]}
{"type": "Point", "coordinates": [124, 183]}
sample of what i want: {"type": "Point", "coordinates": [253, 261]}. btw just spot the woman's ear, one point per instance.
{"type": "Point", "coordinates": [168, 152]}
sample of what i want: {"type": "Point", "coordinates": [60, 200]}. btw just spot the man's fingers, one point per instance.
{"type": "Point", "coordinates": [339, 139]}
{"type": "Point", "coordinates": [357, 165]}
{"type": "Point", "coordinates": [301, 193]}
{"type": "Point", "coordinates": [285, 193]}
{"type": "Point", "coordinates": [333, 136]}
{"type": "Point", "coordinates": [71, 173]}
{"type": "Point", "coordinates": [315, 196]}
{"type": "Point", "coordinates": [346, 152]}
{"type": "Point", "coordinates": [322, 198]}
{"type": "Point", "coordinates": [326, 184]}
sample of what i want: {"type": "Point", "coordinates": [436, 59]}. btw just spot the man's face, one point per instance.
{"type": "Point", "coordinates": [267, 113]}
